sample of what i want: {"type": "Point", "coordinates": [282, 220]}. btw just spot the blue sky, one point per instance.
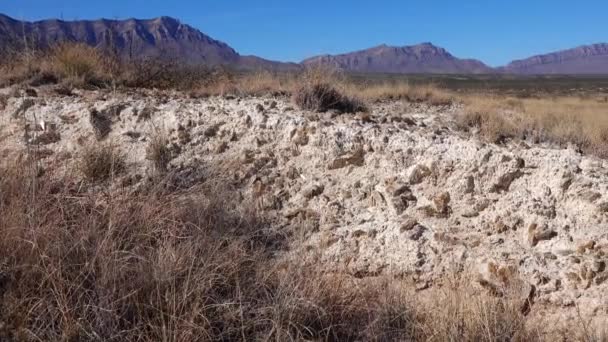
{"type": "Point", "coordinates": [494, 31]}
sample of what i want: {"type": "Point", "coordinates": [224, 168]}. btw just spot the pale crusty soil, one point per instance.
{"type": "Point", "coordinates": [398, 192]}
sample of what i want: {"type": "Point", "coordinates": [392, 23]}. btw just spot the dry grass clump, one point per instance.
{"type": "Point", "coordinates": [560, 120]}
{"type": "Point", "coordinates": [99, 162]}
{"type": "Point", "coordinates": [321, 97]}
{"type": "Point", "coordinates": [78, 62]}
{"type": "Point", "coordinates": [158, 151]}
{"type": "Point", "coordinates": [318, 91]}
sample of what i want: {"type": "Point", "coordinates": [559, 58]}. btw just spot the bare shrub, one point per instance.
{"type": "Point", "coordinates": [164, 74]}
{"type": "Point", "coordinates": [99, 162]}
{"type": "Point", "coordinates": [321, 97]}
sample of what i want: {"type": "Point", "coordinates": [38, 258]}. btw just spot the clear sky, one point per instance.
{"type": "Point", "coordinates": [494, 31]}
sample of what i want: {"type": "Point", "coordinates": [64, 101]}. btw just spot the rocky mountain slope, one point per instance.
{"type": "Point", "coordinates": [422, 58]}
{"type": "Point", "coordinates": [587, 59]}
{"type": "Point", "coordinates": [399, 192]}
{"type": "Point", "coordinates": [163, 37]}
{"type": "Point", "coordinates": [168, 38]}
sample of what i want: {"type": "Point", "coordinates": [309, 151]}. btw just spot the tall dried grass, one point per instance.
{"type": "Point", "coordinates": [79, 264]}
{"type": "Point", "coordinates": [560, 120]}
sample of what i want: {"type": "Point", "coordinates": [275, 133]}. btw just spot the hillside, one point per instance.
{"type": "Point", "coordinates": [162, 37]}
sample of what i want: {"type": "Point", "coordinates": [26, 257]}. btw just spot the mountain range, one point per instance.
{"type": "Point", "coordinates": [166, 37]}
{"type": "Point", "coordinates": [162, 37]}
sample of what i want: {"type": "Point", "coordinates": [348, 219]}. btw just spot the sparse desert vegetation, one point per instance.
{"type": "Point", "coordinates": [563, 119]}
{"type": "Point", "coordinates": [184, 266]}
{"type": "Point", "coordinates": [307, 206]}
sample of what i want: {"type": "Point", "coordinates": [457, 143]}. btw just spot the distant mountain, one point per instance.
{"type": "Point", "coordinates": [162, 37]}
{"type": "Point", "coordinates": [424, 58]}
{"type": "Point", "coordinates": [166, 37]}
{"type": "Point", "coordinates": [586, 59]}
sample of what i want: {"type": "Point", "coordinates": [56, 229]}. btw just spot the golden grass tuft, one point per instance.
{"type": "Point", "coordinates": [393, 91]}
{"type": "Point", "coordinates": [578, 120]}
{"type": "Point", "coordinates": [75, 60]}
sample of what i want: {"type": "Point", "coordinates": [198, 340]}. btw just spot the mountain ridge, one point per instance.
{"type": "Point", "coordinates": [167, 37]}
{"type": "Point", "coordinates": [420, 58]}
{"type": "Point", "coordinates": [161, 37]}
{"type": "Point", "coordinates": [583, 59]}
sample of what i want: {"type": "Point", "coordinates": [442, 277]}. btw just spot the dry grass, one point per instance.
{"type": "Point", "coordinates": [158, 151]}
{"type": "Point", "coordinates": [392, 91]}
{"type": "Point", "coordinates": [77, 65]}
{"type": "Point", "coordinates": [461, 313]}
{"type": "Point", "coordinates": [321, 89]}
{"type": "Point", "coordinates": [3, 101]}
{"type": "Point", "coordinates": [561, 120]}
{"type": "Point", "coordinates": [99, 162]}
{"type": "Point", "coordinates": [82, 265]}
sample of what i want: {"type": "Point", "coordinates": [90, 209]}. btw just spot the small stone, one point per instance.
{"type": "Point", "coordinates": [470, 213]}
{"type": "Point", "coordinates": [590, 196]}
{"type": "Point", "coordinates": [221, 147]}
{"type": "Point", "coordinates": [469, 185]}
{"type": "Point", "coordinates": [408, 224]}
{"type": "Point", "coordinates": [211, 131]}
{"type": "Point", "coordinates": [417, 232]}
{"type": "Point", "coordinates": [500, 227]}
{"type": "Point", "coordinates": [536, 234]}
{"type": "Point", "coordinates": [313, 190]}
{"type": "Point", "coordinates": [259, 108]}
{"type": "Point", "coordinates": [598, 266]}
{"type": "Point", "coordinates": [582, 248]}
{"type": "Point", "coordinates": [566, 182]}
{"type": "Point", "coordinates": [601, 279]}
{"type": "Point", "coordinates": [301, 137]}
{"type": "Point", "coordinates": [418, 173]}
{"type": "Point", "coordinates": [442, 204]}
{"type": "Point", "coordinates": [503, 182]}
{"type": "Point", "coordinates": [356, 159]}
